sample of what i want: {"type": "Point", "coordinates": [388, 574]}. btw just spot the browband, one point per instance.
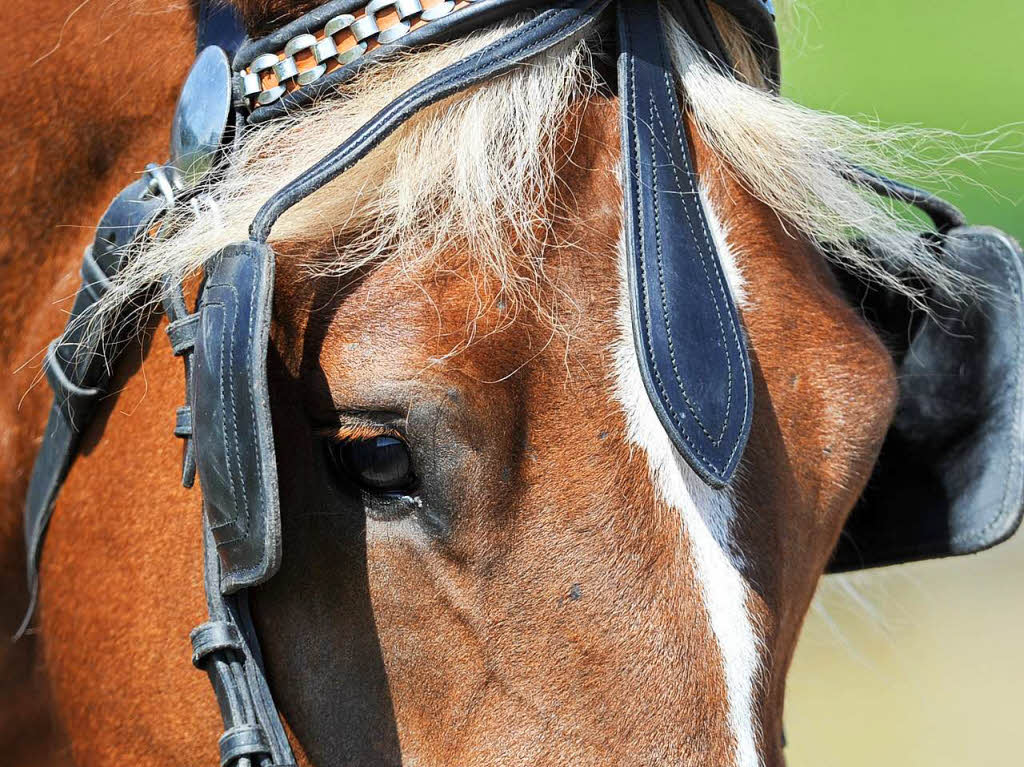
{"type": "Point", "coordinates": [305, 59]}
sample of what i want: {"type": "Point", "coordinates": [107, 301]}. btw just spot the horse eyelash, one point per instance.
{"type": "Point", "coordinates": [350, 432]}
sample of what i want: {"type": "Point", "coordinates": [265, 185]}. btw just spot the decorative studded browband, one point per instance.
{"type": "Point", "coordinates": [344, 38]}
{"type": "Point", "coordinates": [951, 476]}
{"type": "Point", "coordinates": [298, 62]}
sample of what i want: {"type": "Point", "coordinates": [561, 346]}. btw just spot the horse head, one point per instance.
{"type": "Point", "coordinates": [492, 550]}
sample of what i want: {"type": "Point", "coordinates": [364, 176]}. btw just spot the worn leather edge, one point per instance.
{"type": "Point", "coordinates": [252, 555]}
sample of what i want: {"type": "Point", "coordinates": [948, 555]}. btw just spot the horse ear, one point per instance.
{"type": "Point", "coordinates": [231, 414]}
{"type": "Point", "coordinates": [950, 476]}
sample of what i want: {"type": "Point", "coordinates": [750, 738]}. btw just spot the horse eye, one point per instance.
{"type": "Point", "coordinates": [377, 465]}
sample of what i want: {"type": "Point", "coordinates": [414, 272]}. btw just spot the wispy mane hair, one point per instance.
{"type": "Point", "coordinates": [798, 161]}
{"type": "Point", "coordinates": [471, 173]}
{"type": "Point", "coordinates": [478, 171]}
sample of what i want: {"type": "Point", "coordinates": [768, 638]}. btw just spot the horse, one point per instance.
{"type": "Point", "coordinates": [493, 553]}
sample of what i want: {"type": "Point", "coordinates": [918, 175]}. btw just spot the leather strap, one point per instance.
{"type": "Point", "coordinates": [690, 343]}
{"type": "Point", "coordinates": [944, 215]}
{"type": "Point", "coordinates": [227, 649]}
{"type": "Point", "coordinates": [78, 367]}
{"type": "Point", "coordinates": [226, 646]}
{"type": "Point", "coordinates": [181, 330]}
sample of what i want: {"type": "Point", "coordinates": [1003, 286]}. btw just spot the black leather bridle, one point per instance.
{"type": "Point", "coordinates": [699, 381]}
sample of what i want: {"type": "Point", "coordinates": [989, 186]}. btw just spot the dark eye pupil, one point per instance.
{"type": "Point", "coordinates": [380, 464]}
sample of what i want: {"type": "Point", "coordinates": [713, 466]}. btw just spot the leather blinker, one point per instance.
{"type": "Point", "coordinates": [950, 476]}
{"type": "Point", "coordinates": [230, 403]}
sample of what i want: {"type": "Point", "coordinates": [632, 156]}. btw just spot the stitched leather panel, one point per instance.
{"type": "Point", "coordinates": [690, 344]}
{"type": "Point", "coordinates": [231, 414]}
{"type": "Point", "coordinates": [950, 478]}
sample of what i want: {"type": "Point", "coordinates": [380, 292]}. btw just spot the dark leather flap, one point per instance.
{"type": "Point", "coordinates": [690, 344]}
{"type": "Point", "coordinates": [231, 414]}
{"type": "Point", "coordinates": [950, 478]}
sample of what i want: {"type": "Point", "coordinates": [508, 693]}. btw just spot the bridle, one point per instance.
{"type": "Point", "coordinates": [700, 383]}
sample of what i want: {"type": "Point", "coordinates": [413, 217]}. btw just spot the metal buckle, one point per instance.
{"type": "Point", "coordinates": [163, 183]}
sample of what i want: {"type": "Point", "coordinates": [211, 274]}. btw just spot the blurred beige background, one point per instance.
{"type": "Point", "coordinates": [919, 665]}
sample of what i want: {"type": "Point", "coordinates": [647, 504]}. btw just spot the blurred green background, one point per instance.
{"type": "Point", "coordinates": [920, 665]}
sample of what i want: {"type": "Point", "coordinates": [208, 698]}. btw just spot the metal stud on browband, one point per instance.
{"type": "Point", "coordinates": [365, 26]}
{"type": "Point", "coordinates": [299, 45]}
{"type": "Point", "coordinates": [264, 63]}
{"type": "Point", "coordinates": [325, 50]}
{"type": "Point", "coordinates": [340, 24]}
{"type": "Point", "coordinates": [286, 69]}
{"type": "Point", "coordinates": [439, 11]}
{"type": "Point", "coordinates": [405, 9]}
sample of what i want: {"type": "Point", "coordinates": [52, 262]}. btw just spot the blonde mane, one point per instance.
{"type": "Point", "coordinates": [478, 170]}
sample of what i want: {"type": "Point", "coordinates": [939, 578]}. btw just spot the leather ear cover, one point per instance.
{"type": "Point", "coordinates": [950, 477]}
{"type": "Point", "coordinates": [231, 414]}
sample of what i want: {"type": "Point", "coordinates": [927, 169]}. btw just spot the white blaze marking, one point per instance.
{"type": "Point", "coordinates": [731, 267]}
{"type": "Point", "coordinates": [707, 517]}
